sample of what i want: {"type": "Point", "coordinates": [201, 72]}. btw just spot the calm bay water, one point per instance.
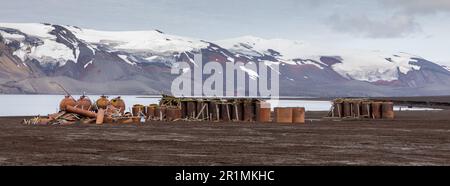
{"type": "Point", "coordinates": [32, 105]}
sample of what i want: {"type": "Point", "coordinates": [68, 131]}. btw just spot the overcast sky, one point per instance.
{"type": "Point", "coordinates": [419, 27]}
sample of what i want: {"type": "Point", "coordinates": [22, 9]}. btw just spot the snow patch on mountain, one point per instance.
{"type": "Point", "coordinates": [138, 40]}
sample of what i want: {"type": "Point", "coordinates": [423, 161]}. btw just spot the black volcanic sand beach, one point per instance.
{"type": "Point", "coordinates": [413, 138]}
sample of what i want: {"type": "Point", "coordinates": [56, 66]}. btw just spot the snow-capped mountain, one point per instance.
{"type": "Point", "coordinates": [138, 62]}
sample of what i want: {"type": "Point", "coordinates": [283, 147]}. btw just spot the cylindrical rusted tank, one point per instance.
{"type": "Point", "coordinates": [356, 108]}
{"type": "Point", "coordinates": [68, 100]}
{"type": "Point", "coordinates": [84, 103]}
{"type": "Point", "coordinates": [183, 109]}
{"type": "Point", "coordinates": [191, 109]}
{"type": "Point", "coordinates": [214, 111]}
{"type": "Point", "coordinates": [237, 113]}
{"type": "Point", "coordinates": [160, 113]}
{"type": "Point", "coordinates": [137, 110]}
{"type": "Point", "coordinates": [200, 110]}
{"type": "Point", "coordinates": [347, 110]}
{"type": "Point", "coordinates": [376, 110]}
{"type": "Point", "coordinates": [263, 112]}
{"type": "Point", "coordinates": [298, 115]}
{"type": "Point", "coordinates": [283, 115]}
{"type": "Point", "coordinates": [337, 109]}
{"type": "Point", "coordinates": [151, 111]}
{"type": "Point", "coordinates": [173, 114]}
{"type": "Point", "coordinates": [225, 114]}
{"type": "Point", "coordinates": [102, 102]}
{"type": "Point", "coordinates": [249, 110]}
{"type": "Point", "coordinates": [366, 109]}
{"type": "Point", "coordinates": [387, 110]}
{"type": "Point", "coordinates": [118, 103]}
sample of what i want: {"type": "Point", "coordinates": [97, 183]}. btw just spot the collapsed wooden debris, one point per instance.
{"type": "Point", "coordinates": [361, 108]}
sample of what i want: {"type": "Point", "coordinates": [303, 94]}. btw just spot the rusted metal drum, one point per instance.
{"type": "Point", "coordinates": [366, 109]}
{"type": "Point", "coordinates": [356, 108]}
{"type": "Point", "coordinates": [347, 110]}
{"type": "Point", "coordinates": [151, 111]}
{"type": "Point", "coordinates": [118, 103]}
{"type": "Point", "coordinates": [387, 110]}
{"type": "Point", "coordinates": [160, 113]}
{"type": "Point", "coordinates": [225, 114]}
{"type": "Point", "coordinates": [191, 109]}
{"type": "Point", "coordinates": [263, 112]}
{"type": "Point", "coordinates": [376, 110]}
{"type": "Point", "coordinates": [214, 111]}
{"type": "Point", "coordinates": [337, 109]}
{"type": "Point", "coordinates": [298, 115]}
{"type": "Point", "coordinates": [84, 103]}
{"type": "Point", "coordinates": [249, 110]}
{"type": "Point", "coordinates": [173, 113]}
{"type": "Point", "coordinates": [283, 115]}
{"type": "Point", "coordinates": [68, 100]}
{"type": "Point", "coordinates": [102, 102]}
{"type": "Point", "coordinates": [138, 110]}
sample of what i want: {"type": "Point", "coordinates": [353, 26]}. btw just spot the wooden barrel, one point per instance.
{"type": "Point", "coordinates": [366, 109]}
{"type": "Point", "coordinates": [387, 110]}
{"type": "Point", "coordinates": [337, 109]}
{"type": "Point", "coordinates": [298, 115]}
{"type": "Point", "coordinates": [214, 111]}
{"type": "Point", "coordinates": [263, 112]}
{"type": "Point", "coordinates": [376, 110]}
{"type": "Point", "coordinates": [347, 109]}
{"type": "Point", "coordinates": [173, 114]}
{"type": "Point", "coordinates": [249, 110]}
{"type": "Point", "coordinates": [283, 115]}
{"type": "Point", "coordinates": [191, 109]}
{"type": "Point", "coordinates": [356, 108]}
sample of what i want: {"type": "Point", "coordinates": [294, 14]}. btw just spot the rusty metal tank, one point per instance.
{"type": "Point", "coordinates": [298, 115]}
{"type": "Point", "coordinates": [191, 108]}
{"type": "Point", "coordinates": [173, 113]}
{"type": "Point", "coordinates": [160, 113]}
{"type": "Point", "coordinates": [366, 109]}
{"type": "Point", "coordinates": [118, 103]}
{"type": "Point", "coordinates": [387, 109]}
{"type": "Point", "coordinates": [151, 111]}
{"type": "Point", "coordinates": [225, 113]}
{"type": "Point", "coordinates": [102, 102]}
{"type": "Point", "coordinates": [337, 109]}
{"type": "Point", "coordinates": [376, 110]}
{"type": "Point", "coordinates": [283, 115]}
{"type": "Point", "coordinates": [214, 110]}
{"type": "Point", "coordinates": [249, 110]}
{"type": "Point", "coordinates": [346, 109]}
{"type": "Point", "coordinates": [84, 103]}
{"type": "Point", "coordinates": [183, 109]}
{"type": "Point", "coordinates": [237, 111]}
{"type": "Point", "coordinates": [68, 100]}
{"type": "Point", "coordinates": [356, 108]}
{"type": "Point", "coordinates": [138, 110]}
{"type": "Point", "coordinates": [263, 112]}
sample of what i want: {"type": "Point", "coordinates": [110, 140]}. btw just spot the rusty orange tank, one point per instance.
{"type": "Point", "coordinates": [102, 102]}
{"type": "Point", "coordinates": [138, 109]}
{"type": "Point", "coordinates": [84, 103]}
{"type": "Point", "coordinates": [68, 100]}
{"type": "Point", "coordinates": [118, 103]}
